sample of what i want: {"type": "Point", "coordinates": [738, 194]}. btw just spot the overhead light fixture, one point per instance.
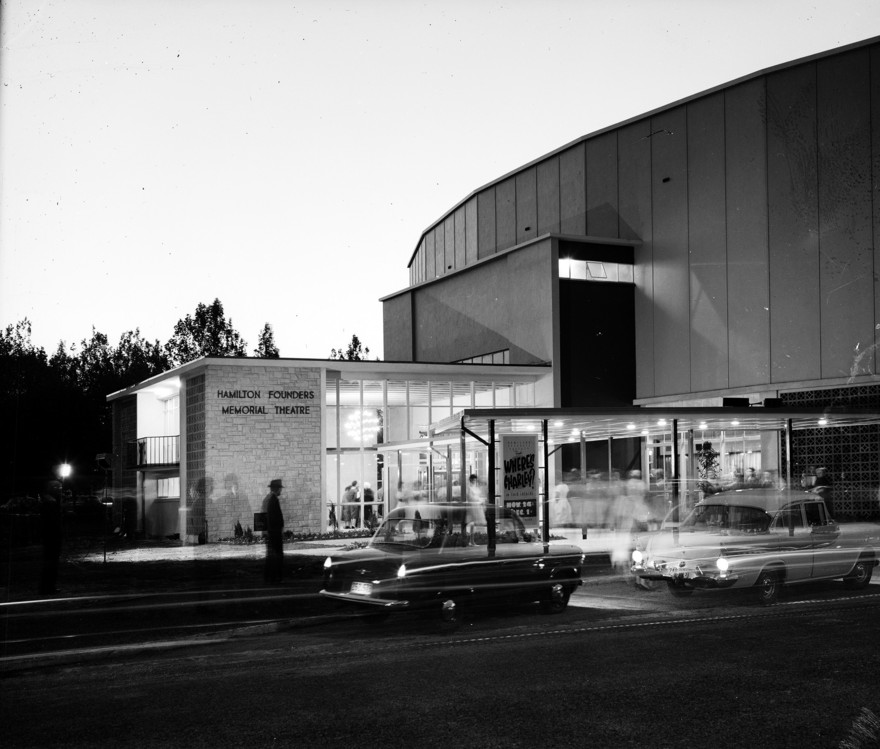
{"type": "Point", "coordinates": [364, 423]}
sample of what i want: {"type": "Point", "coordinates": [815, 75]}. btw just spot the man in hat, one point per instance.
{"type": "Point", "coordinates": [50, 517]}
{"type": "Point", "coordinates": [274, 572]}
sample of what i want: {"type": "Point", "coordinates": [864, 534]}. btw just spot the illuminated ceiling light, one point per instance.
{"type": "Point", "coordinates": [823, 422]}
{"type": "Point", "coordinates": [645, 432]}
{"type": "Point", "coordinates": [630, 426]}
{"type": "Point", "coordinates": [362, 426]}
{"type": "Point", "coordinates": [703, 425]}
{"type": "Point", "coordinates": [558, 424]}
{"type": "Point", "coordinates": [734, 423]}
{"type": "Point", "coordinates": [661, 422]}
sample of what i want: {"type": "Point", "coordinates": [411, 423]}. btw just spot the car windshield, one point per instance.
{"type": "Point", "coordinates": [440, 527]}
{"type": "Point", "coordinates": [727, 518]}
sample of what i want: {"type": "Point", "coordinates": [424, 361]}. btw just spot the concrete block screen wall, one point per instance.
{"type": "Point", "coordinates": [260, 423]}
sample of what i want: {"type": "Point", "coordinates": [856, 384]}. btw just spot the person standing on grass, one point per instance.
{"type": "Point", "coordinates": [50, 522]}
{"type": "Point", "coordinates": [274, 571]}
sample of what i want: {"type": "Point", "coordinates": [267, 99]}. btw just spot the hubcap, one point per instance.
{"type": "Point", "coordinates": [449, 611]}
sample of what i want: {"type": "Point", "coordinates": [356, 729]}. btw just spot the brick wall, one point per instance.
{"type": "Point", "coordinates": [124, 482]}
{"type": "Point", "coordinates": [271, 429]}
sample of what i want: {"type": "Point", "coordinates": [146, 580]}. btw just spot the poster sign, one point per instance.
{"type": "Point", "coordinates": [519, 473]}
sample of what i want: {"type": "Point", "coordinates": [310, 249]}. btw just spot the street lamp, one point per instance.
{"type": "Point", "coordinates": [64, 470]}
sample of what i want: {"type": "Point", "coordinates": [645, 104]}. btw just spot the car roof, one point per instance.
{"type": "Point", "coordinates": [431, 510]}
{"type": "Point", "coordinates": [768, 500]}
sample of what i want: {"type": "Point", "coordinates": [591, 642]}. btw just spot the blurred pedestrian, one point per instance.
{"type": "Point", "coordinates": [823, 487]}
{"type": "Point", "coordinates": [50, 522]}
{"type": "Point", "coordinates": [560, 507]}
{"type": "Point", "coordinates": [274, 571]}
{"type": "Point", "coordinates": [332, 521]}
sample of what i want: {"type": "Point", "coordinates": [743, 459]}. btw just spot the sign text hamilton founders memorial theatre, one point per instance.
{"type": "Point", "coordinates": [261, 402]}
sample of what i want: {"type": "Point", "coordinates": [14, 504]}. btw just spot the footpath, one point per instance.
{"type": "Point", "coordinates": [146, 567]}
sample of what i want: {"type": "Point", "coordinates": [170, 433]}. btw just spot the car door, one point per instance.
{"type": "Point", "coordinates": [521, 566]}
{"type": "Point", "coordinates": [474, 569]}
{"type": "Point", "coordinates": [830, 557]}
{"type": "Point", "coordinates": [793, 542]}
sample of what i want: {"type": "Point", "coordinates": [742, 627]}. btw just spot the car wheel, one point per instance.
{"type": "Point", "coordinates": [767, 586]}
{"type": "Point", "coordinates": [861, 574]}
{"type": "Point", "coordinates": [678, 590]}
{"type": "Point", "coordinates": [451, 613]}
{"type": "Point", "coordinates": [556, 600]}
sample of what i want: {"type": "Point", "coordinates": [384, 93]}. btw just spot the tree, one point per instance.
{"type": "Point", "coordinates": [207, 333]}
{"type": "Point", "coordinates": [29, 400]}
{"type": "Point", "coordinates": [354, 352]}
{"type": "Point", "coordinates": [266, 348]}
{"type": "Point", "coordinates": [136, 359]}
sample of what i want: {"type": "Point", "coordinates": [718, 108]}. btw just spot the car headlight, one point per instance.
{"type": "Point", "coordinates": [637, 556]}
{"type": "Point", "coordinates": [328, 563]}
{"type": "Point", "coordinates": [401, 571]}
{"type": "Point", "coordinates": [722, 564]}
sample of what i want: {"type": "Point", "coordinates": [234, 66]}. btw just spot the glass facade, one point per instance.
{"type": "Point", "coordinates": [366, 422]}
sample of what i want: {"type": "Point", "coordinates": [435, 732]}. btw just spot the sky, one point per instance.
{"type": "Point", "coordinates": [285, 157]}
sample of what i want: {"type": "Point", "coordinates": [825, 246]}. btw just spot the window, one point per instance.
{"type": "Point", "coordinates": [168, 488]}
{"type": "Point", "coordinates": [815, 513]}
{"type": "Point", "coordinates": [789, 517]}
{"type": "Point", "coordinates": [592, 270]}
{"type": "Point", "coordinates": [494, 357]}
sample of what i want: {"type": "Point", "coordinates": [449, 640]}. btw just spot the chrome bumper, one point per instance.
{"type": "Point", "coordinates": [386, 603]}
{"type": "Point", "coordinates": [687, 578]}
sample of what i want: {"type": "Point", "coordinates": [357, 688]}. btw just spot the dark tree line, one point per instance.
{"type": "Point", "coordinates": [54, 408]}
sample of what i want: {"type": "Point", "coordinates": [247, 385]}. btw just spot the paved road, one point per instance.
{"type": "Point", "coordinates": [726, 675]}
{"type": "Point", "coordinates": [89, 626]}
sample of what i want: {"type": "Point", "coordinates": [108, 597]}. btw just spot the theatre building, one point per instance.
{"type": "Point", "coordinates": [195, 448]}
{"type": "Point", "coordinates": [721, 249]}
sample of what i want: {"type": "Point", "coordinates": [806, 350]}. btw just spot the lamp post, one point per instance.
{"type": "Point", "coordinates": [64, 470]}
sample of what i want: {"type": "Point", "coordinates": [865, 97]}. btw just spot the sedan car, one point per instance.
{"type": "Point", "coordinates": [760, 539]}
{"type": "Point", "coordinates": [437, 556]}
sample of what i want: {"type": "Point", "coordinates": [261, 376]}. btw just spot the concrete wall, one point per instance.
{"type": "Point", "coordinates": [755, 207]}
{"type": "Point", "coordinates": [503, 304]}
{"type": "Point", "coordinates": [397, 321]}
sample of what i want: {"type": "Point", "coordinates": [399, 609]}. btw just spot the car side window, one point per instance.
{"type": "Point", "coordinates": [789, 517]}
{"type": "Point", "coordinates": [815, 513]}
{"type": "Point", "coordinates": [749, 519]}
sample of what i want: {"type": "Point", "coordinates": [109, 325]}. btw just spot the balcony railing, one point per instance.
{"type": "Point", "coordinates": [153, 451]}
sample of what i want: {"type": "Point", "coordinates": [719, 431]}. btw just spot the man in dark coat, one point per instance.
{"type": "Point", "coordinates": [50, 522]}
{"type": "Point", "coordinates": [274, 572]}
